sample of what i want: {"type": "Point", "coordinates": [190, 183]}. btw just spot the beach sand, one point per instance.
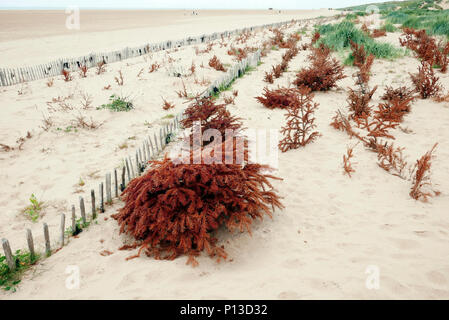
{"type": "Point", "coordinates": [333, 230]}
{"type": "Point", "coordinates": [32, 37]}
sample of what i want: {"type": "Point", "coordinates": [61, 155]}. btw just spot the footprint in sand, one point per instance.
{"type": "Point", "coordinates": [292, 264]}
{"type": "Point", "coordinates": [289, 295]}
{"type": "Point", "coordinates": [436, 278]}
{"type": "Point", "coordinates": [404, 244]}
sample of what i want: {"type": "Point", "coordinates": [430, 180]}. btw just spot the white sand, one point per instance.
{"type": "Point", "coordinates": [174, 25]}
{"type": "Point", "coordinates": [319, 246]}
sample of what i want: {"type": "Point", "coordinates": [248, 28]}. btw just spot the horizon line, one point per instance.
{"type": "Point", "coordinates": [145, 8]}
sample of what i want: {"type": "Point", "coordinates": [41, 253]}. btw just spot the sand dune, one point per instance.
{"type": "Point", "coordinates": [332, 229]}
{"type": "Point", "coordinates": [44, 38]}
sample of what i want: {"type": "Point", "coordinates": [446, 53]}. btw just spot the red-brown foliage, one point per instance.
{"type": "Point", "coordinates": [442, 59]}
{"type": "Point", "coordinates": [239, 53]}
{"type": "Point", "coordinates": [278, 39]}
{"type": "Point", "coordinates": [400, 93]}
{"type": "Point", "coordinates": [175, 209]}
{"type": "Point", "coordinates": [101, 67]}
{"type": "Point", "coordinates": [426, 47]}
{"type": "Point", "coordinates": [289, 54]}
{"type": "Point", "coordinates": [268, 77]}
{"type": "Point", "coordinates": [377, 33]}
{"type": "Point", "coordinates": [167, 105]}
{"type": "Point", "coordinates": [358, 53]}
{"type": "Point", "coordinates": [83, 71]}
{"type": "Point", "coordinates": [358, 102]}
{"type": "Point", "coordinates": [316, 36]}
{"type": "Point", "coordinates": [425, 81]}
{"type": "Point", "coordinates": [277, 71]}
{"type": "Point", "coordinates": [393, 110]}
{"type": "Point", "coordinates": [376, 127]}
{"type": "Point", "coordinates": [229, 100]}
{"type": "Point", "coordinates": [120, 81]}
{"type": "Point", "coordinates": [298, 130]}
{"type": "Point", "coordinates": [277, 98]}
{"type": "Point", "coordinates": [390, 158]}
{"type": "Point", "coordinates": [323, 73]}
{"type": "Point", "coordinates": [215, 63]}
{"type": "Point", "coordinates": [211, 116]}
{"type": "Point", "coordinates": [182, 93]}
{"type": "Point", "coordinates": [418, 41]}
{"type": "Point", "coordinates": [154, 67]}
{"type": "Point", "coordinates": [362, 62]}
{"type": "Point", "coordinates": [421, 177]}
{"type": "Point", "coordinates": [67, 75]}
{"type": "Point", "coordinates": [347, 165]}
{"type": "Point", "coordinates": [365, 28]}
{"type": "Point", "coordinates": [192, 68]}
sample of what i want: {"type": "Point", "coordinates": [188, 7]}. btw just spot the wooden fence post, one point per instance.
{"type": "Point", "coordinates": [152, 148]}
{"type": "Point", "coordinates": [161, 138]}
{"type": "Point", "coordinates": [116, 182]}
{"type": "Point", "coordinates": [94, 209]}
{"type": "Point", "coordinates": [132, 168]}
{"type": "Point", "coordinates": [30, 243]}
{"type": "Point", "coordinates": [123, 185]}
{"type": "Point", "coordinates": [108, 189]}
{"type": "Point", "coordinates": [62, 228]}
{"type": "Point", "coordinates": [47, 240]}
{"type": "Point", "coordinates": [155, 143]}
{"type": "Point", "coordinates": [73, 221]}
{"type": "Point", "coordinates": [127, 170]}
{"type": "Point", "coordinates": [83, 210]}
{"type": "Point", "coordinates": [137, 164]}
{"type": "Point", "coordinates": [8, 255]}
{"type": "Point", "coordinates": [101, 197]}
{"type": "Point", "coordinates": [142, 161]}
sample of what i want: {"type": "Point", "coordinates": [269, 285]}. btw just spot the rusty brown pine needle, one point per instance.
{"type": "Point", "coordinates": [347, 165]}
{"type": "Point", "coordinates": [298, 130]}
{"type": "Point", "coordinates": [425, 81]}
{"type": "Point", "coordinates": [323, 73]}
{"type": "Point", "coordinates": [174, 208]}
{"type": "Point", "coordinates": [421, 177]}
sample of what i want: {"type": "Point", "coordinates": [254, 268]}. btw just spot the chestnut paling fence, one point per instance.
{"type": "Point", "coordinates": [116, 180]}
{"type": "Point", "coordinates": [11, 76]}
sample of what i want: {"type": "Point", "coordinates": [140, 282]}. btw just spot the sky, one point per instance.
{"type": "Point", "coordinates": [183, 4]}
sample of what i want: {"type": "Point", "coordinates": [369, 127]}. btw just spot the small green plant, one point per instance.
{"type": "Point", "coordinates": [79, 226]}
{"type": "Point", "coordinates": [169, 138]}
{"type": "Point", "coordinates": [10, 279]}
{"type": "Point", "coordinates": [168, 116]}
{"type": "Point", "coordinates": [249, 69]}
{"type": "Point", "coordinates": [122, 146]}
{"type": "Point", "coordinates": [118, 104]}
{"type": "Point", "coordinates": [81, 182]}
{"type": "Point", "coordinates": [34, 209]}
{"type": "Point", "coordinates": [70, 128]}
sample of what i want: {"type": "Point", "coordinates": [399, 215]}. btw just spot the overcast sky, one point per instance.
{"type": "Point", "coordinates": [181, 4]}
